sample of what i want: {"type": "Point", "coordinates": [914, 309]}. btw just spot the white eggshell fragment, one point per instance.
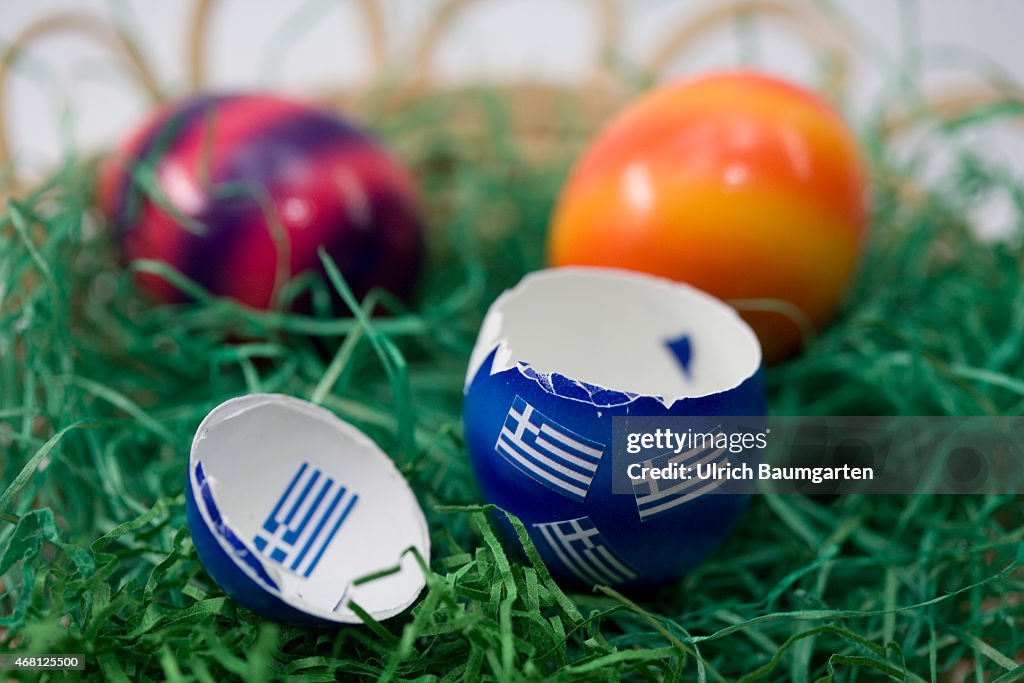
{"type": "Point", "coordinates": [289, 506]}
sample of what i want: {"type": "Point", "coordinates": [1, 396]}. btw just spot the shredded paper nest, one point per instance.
{"type": "Point", "coordinates": [100, 393]}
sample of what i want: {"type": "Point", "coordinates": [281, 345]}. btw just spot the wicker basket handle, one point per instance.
{"type": "Point", "coordinates": [810, 23]}
{"type": "Point", "coordinates": [607, 13]}
{"type": "Point", "coordinates": [88, 25]}
{"type": "Point", "coordinates": [952, 103]}
{"type": "Point", "coordinates": [199, 28]}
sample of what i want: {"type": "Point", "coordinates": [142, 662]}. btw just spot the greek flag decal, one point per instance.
{"type": "Point", "coordinates": [304, 520]}
{"type": "Point", "coordinates": [581, 548]}
{"type": "Point", "coordinates": [655, 496]}
{"type": "Point", "coordinates": [547, 451]}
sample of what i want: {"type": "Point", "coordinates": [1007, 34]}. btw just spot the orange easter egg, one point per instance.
{"type": "Point", "coordinates": [739, 183]}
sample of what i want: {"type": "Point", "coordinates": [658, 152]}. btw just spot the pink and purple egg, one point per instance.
{"type": "Point", "coordinates": [239, 192]}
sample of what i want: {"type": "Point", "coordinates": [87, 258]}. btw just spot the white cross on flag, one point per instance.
{"type": "Point", "coordinates": [655, 496]}
{"type": "Point", "coordinates": [584, 552]}
{"type": "Point", "coordinates": [304, 520]}
{"type": "Point", "coordinates": [549, 452]}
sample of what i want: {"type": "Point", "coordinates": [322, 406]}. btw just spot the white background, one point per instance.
{"type": "Point", "coordinates": [67, 93]}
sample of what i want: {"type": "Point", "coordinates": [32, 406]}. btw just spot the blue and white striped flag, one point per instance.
{"type": "Point", "coordinates": [547, 451]}
{"type": "Point", "coordinates": [304, 520]}
{"type": "Point", "coordinates": [655, 496]}
{"type": "Point", "coordinates": [582, 549]}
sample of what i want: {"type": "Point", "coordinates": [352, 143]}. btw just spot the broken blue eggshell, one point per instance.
{"type": "Point", "coordinates": [561, 354]}
{"type": "Point", "coordinates": [288, 506]}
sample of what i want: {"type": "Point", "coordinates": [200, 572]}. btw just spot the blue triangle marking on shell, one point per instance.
{"type": "Point", "coordinates": [682, 349]}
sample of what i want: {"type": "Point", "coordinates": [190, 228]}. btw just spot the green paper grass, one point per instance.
{"type": "Point", "coordinates": [100, 393]}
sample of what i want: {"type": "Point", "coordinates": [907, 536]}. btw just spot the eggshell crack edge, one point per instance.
{"type": "Point", "coordinates": [491, 339]}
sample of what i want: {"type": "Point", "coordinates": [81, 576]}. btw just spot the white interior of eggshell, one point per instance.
{"type": "Point", "coordinates": [252, 448]}
{"type": "Point", "coordinates": [612, 328]}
